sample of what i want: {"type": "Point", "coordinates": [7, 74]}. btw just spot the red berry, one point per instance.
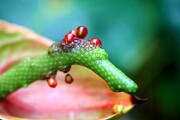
{"type": "Point", "coordinates": [52, 82]}
{"type": "Point", "coordinates": [74, 32]}
{"type": "Point", "coordinates": [96, 41]}
{"type": "Point", "coordinates": [68, 79]}
{"type": "Point", "coordinates": [69, 38]}
{"type": "Point", "coordinates": [82, 32]}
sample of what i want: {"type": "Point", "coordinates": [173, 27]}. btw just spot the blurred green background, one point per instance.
{"type": "Point", "coordinates": [142, 38]}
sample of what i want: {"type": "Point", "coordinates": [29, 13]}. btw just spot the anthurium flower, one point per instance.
{"type": "Point", "coordinates": [88, 97]}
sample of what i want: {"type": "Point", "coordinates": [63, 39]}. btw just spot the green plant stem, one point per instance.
{"type": "Point", "coordinates": [42, 67]}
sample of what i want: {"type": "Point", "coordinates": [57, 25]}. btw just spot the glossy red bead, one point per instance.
{"type": "Point", "coordinates": [69, 38]}
{"type": "Point", "coordinates": [82, 32]}
{"type": "Point", "coordinates": [74, 32]}
{"type": "Point", "coordinates": [96, 41]}
{"type": "Point", "coordinates": [52, 82]}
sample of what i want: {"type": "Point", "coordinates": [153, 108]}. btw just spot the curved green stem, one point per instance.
{"type": "Point", "coordinates": [61, 57]}
{"type": "Point", "coordinates": [115, 78]}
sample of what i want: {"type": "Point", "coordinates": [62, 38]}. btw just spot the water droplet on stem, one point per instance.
{"type": "Point", "coordinates": [68, 79]}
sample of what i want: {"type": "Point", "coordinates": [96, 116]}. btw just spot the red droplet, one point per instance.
{"type": "Point", "coordinates": [82, 32]}
{"type": "Point", "coordinates": [52, 82]}
{"type": "Point", "coordinates": [74, 32]}
{"type": "Point", "coordinates": [69, 38]}
{"type": "Point", "coordinates": [68, 79]}
{"type": "Point", "coordinates": [96, 41]}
